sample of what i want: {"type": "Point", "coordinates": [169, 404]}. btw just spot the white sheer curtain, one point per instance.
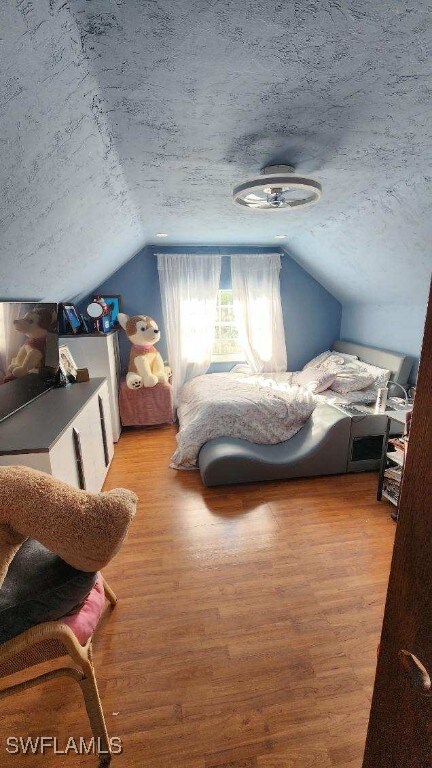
{"type": "Point", "coordinates": [189, 283]}
{"type": "Point", "coordinates": [10, 340]}
{"type": "Point", "coordinates": [258, 310]}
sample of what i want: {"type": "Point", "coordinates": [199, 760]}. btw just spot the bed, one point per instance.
{"type": "Point", "coordinates": [321, 447]}
{"type": "Point", "coordinates": [263, 409]}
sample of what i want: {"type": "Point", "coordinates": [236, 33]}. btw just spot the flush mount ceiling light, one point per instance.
{"type": "Point", "coordinates": [280, 237]}
{"type": "Point", "coordinates": [277, 188]}
{"type": "Point", "coordinates": [161, 234]}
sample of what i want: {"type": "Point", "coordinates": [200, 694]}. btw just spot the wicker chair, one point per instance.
{"type": "Point", "coordinates": [53, 640]}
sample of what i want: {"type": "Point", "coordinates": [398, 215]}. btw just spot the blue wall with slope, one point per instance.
{"type": "Point", "coordinates": [397, 327]}
{"type": "Point", "coordinates": [312, 316]}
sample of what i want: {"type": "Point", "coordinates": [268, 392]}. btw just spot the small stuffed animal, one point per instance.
{"type": "Point", "coordinates": [36, 324]}
{"type": "Point", "coordinates": [146, 367]}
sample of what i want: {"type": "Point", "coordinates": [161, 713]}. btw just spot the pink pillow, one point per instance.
{"type": "Point", "coordinates": [314, 379]}
{"type": "Point", "coordinates": [84, 622]}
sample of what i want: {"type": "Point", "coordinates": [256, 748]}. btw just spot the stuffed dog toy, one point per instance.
{"type": "Point", "coordinates": [84, 529]}
{"type": "Point", "coordinates": [146, 367]}
{"type": "Point", "coordinates": [36, 325]}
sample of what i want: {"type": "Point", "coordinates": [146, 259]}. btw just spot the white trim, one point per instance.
{"type": "Point", "coordinates": [227, 357]}
{"type": "Point", "coordinates": [233, 358]}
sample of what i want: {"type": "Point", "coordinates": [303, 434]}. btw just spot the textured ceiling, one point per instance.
{"type": "Point", "coordinates": [123, 118]}
{"type": "Point", "coordinates": [66, 216]}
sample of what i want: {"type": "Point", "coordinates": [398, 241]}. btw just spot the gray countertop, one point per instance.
{"type": "Point", "coordinates": [36, 427]}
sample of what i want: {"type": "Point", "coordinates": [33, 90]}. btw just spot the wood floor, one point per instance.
{"type": "Point", "coordinates": [247, 625]}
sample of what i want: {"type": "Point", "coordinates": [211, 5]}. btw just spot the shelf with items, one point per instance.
{"type": "Point", "coordinates": [390, 496]}
{"type": "Point", "coordinates": [392, 466]}
{"type": "Point", "coordinates": [397, 457]}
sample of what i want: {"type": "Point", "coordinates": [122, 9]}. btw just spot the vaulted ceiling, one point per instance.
{"type": "Point", "coordinates": [124, 118]}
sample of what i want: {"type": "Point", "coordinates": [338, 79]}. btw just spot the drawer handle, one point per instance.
{"type": "Point", "coordinates": [416, 672]}
{"type": "Point", "coordinates": [79, 458]}
{"type": "Point", "coordinates": [103, 428]}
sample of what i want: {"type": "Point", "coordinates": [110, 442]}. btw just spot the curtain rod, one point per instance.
{"type": "Point", "coordinates": [196, 248]}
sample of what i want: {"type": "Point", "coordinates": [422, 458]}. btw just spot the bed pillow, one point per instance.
{"type": "Point", "coordinates": [330, 360]}
{"type": "Point", "coordinates": [351, 382]}
{"type": "Point", "coordinates": [345, 357]}
{"type": "Point", "coordinates": [380, 376]}
{"type": "Point", "coordinates": [314, 379]}
{"type": "Point", "coordinates": [316, 361]}
{"type": "Point", "coordinates": [242, 368]}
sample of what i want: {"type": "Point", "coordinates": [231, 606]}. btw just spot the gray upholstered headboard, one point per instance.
{"type": "Point", "coordinates": [399, 365]}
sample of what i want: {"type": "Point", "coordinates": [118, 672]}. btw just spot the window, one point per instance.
{"type": "Point", "coordinates": [226, 342]}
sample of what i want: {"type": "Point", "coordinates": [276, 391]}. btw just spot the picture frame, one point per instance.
{"type": "Point", "coordinates": [67, 364]}
{"type": "Point", "coordinates": [115, 301]}
{"type": "Point", "coordinates": [71, 319]}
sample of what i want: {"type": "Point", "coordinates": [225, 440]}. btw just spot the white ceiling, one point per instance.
{"type": "Point", "coordinates": [123, 118]}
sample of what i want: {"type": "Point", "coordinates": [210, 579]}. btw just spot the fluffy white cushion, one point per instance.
{"type": "Point", "coordinates": [329, 360]}
{"type": "Point", "coordinates": [357, 375]}
{"type": "Point", "coordinates": [380, 376]}
{"type": "Point", "coordinates": [345, 357]}
{"type": "Point", "coordinates": [316, 361]}
{"type": "Point", "coordinates": [352, 374]}
{"type": "Point", "coordinates": [314, 379]}
{"type": "Point", "coordinates": [351, 382]}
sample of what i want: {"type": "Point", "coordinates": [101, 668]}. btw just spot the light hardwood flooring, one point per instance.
{"type": "Point", "coordinates": [246, 630]}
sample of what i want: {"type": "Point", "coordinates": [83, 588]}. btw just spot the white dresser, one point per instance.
{"type": "Point", "coordinates": [65, 432]}
{"type": "Point", "coordinates": [100, 354]}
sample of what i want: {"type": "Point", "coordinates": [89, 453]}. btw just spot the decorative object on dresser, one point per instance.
{"type": "Point", "coordinates": [67, 433]}
{"type": "Point", "coordinates": [82, 375]}
{"type": "Point", "coordinates": [104, 311]}
{"type": "Point", "coordinates": [98, 313]}
{"type": "Point", "coordinates": [67, 363]}
{"type": "Point", "coordinates": [99, 353]}
{"type": "Point", "coordinates": [393, 460]}
{"type": "Point", "coordinates": [114, 305]}
{"type": "Point", "coordinates": [146, 406]}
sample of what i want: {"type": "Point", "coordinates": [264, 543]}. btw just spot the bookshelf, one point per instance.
{"type": "Point", "coordinates": [392, 463]}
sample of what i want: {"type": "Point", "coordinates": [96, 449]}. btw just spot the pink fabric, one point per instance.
{"type": "Point", "coordinates": [144, 347]}
{"type": "Point", "coordinates": [84, 622]}
{"type": "Point", "coordinates": [147, 406]}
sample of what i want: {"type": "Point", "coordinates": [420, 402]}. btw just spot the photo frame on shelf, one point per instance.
{"type": "Point", "coordinates": [71, 319]}
{"type": "Point", "coordinates": [67, 363]}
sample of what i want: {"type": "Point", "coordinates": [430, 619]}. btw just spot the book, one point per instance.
{"type": "Point", "coordinates": [394, 473]}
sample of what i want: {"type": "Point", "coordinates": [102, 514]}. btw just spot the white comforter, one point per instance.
{"type": "Point", "coordinates": [261, 408]}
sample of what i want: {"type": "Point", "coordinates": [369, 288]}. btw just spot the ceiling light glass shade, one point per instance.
{"type": "Point", "coordinates": [277, 188]}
